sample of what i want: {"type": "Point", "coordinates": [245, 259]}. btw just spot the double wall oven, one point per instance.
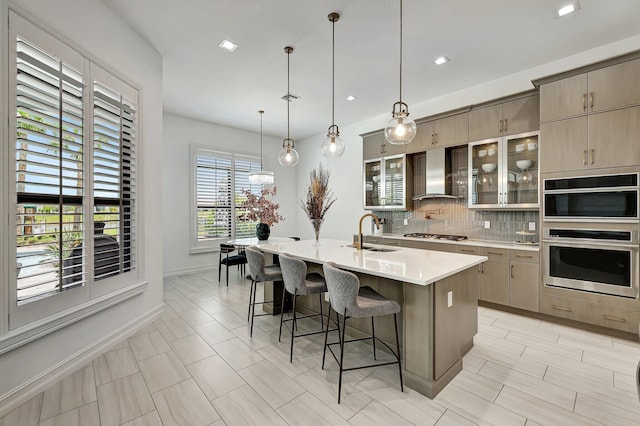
{"type": "Point", "coordinates": [591, 233]}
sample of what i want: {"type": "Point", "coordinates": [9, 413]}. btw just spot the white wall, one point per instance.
{"type": "Point", "coordinates": [92, 27]}
{"type": "Point", "coordinates": [341, 220]}
{"type": "Point", "coordinates": [179, 134]}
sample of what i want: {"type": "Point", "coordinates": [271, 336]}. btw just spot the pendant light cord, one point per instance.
{"type": "Point", "coordinates": [400, 54]}
{"type": "Point", "coordinates": [261, 165]}
{"type": "Point", "coordinates": [333, 72]}
{"type": "Point", "coordinates": [288, 97]}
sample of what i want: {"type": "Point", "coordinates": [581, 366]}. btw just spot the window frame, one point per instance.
{"type": "Point", "coordinates": [29, 321]}
{"type": "Point", "coordinates": [213, 244]}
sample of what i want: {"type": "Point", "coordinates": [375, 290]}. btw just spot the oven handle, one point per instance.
{"type": "Point", "coordinates": [581, 243]}
{"type": "Point", "coordinates": [589, 190]}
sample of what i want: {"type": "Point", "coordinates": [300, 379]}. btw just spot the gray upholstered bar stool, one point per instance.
{"type": "Point", "coordinates": [259, 273]}
{"type": "Point", "coordinates": [350, 300]}
{"type": "Point", "coordinates": [298, 282]}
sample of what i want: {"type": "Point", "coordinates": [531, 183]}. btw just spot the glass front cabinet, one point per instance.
{"type": "Point", "coordinates": [385, 183]}
{"type": "Point", "coordinates": [504, 172]}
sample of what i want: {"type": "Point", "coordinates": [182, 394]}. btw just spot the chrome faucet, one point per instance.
{"type": "Point", "coordinates": [359, 242]}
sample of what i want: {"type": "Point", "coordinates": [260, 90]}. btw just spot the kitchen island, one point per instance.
{"type": "Point", "coordinates": [438, 293]}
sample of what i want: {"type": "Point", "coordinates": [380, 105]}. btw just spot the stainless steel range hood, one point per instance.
{"type": "Point", "coordinates": [438, 175]}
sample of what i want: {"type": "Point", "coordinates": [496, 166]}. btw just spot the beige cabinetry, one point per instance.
{"type": "Point", "coordinates": [524, 275]}
{"type": "Point", "coordinates": [388, 183]}
{"type": "Point", "coordinates": [444, 132]}
{"type": "Point", "coordinates": [494, 285]}
{"type": "Point", "coordinates": [507, 118]}
{"type": "Point", "coordinates": [591, 120]}
{"type": "Point", "coordinates": [376, 146]}
{"type": "Point", "coordinates": [611, 87]}
{"type": "Point", "coordinates": [603, 140]}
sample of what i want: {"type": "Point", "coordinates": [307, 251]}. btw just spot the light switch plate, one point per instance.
{"type": "Point", "coordinates": [487, 224]}
{"type": "Point", "coordinates": [449, 299]}
{"type": "Point", "coordinates": [532, 226]}
{"type": "Point", "coordinates": [406, 222]}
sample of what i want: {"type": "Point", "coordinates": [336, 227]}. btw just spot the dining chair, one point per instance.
{"type": "Point", "coordinates": [239, 260]}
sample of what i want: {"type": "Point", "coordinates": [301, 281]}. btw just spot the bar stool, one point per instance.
{"type": "Point", "coordinates": [350, 300]}
{"type": "Point", "coordinates": [259, 273]}
{"type": "Point", "coordinates": [298, 282]}
{"type": "Point", "coordinates": [239, 260]}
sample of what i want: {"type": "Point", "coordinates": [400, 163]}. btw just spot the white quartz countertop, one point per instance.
{"type": "Point", "coordinates": [415, 266]}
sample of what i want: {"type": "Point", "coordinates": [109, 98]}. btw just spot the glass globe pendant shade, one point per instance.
{"type": "Point", "coordinates": [288, 155]}
{"type": "Point", "coordinates": [333, 145]}
{"type": "Point", "coordinates": [400, 129]}
{"type": "Point", "coordinates": [259, 177]}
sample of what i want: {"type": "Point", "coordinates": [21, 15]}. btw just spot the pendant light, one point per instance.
{"type": "Point", "coordinates": [288, 155]}
{"type": "Point", "coordinates": [333, 145]}
{"type": "Point", "coordinates": [261, 176]}
{"type": "Point", "coordinates": [401, 129]}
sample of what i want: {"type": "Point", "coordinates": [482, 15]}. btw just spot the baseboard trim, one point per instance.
{"type": "Point", "coordinates": [23, 393]}
{"type": "Point", "coordinates": [192, 270]}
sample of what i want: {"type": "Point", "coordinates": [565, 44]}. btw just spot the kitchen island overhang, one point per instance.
{"type": "Point", "coordinates": [438, 292]}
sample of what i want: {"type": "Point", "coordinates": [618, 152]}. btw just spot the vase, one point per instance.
{"type": "Point", "coordinates": [262, 231]}
{"type": "Point", "coordinates": [317, 223]}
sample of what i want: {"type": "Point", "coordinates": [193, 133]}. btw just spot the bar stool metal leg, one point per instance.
{"type": "Point", "coordinates": [373, 333]}
{"type": "Point", "coordinates": [395, 321]}
{"type": "Point", "coordinates": [344, 327]}
{"type": "Point", "coordinates": [250, 297]}
{"type": "Point", "coordinates": [295, 295]}
{"type": "Point", "coordinates": [253, 306]}
{"type": "Point", "coordinates": [284, 292]}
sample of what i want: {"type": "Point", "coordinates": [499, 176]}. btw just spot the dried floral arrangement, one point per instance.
{"type": "Point", "coordinates": [319, 196]}
{"type": "Point", "coordinates": [261, 208]}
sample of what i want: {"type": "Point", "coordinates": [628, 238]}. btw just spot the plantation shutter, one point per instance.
{"type": "Point", "coordinates": [49, 174]}
{"type": "Point", "coordinates": [114, 177]}
{"type": "Point", "coordinates": [214, 196]}
{"type": "Point", "coordinates": [243, 167]}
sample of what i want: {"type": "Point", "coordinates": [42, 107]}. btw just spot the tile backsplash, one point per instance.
{"type": "Point", "coordinates": [452, 216]}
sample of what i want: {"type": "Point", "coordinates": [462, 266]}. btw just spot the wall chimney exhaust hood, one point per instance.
{"type": "Point", "coordinates": [437, 170]}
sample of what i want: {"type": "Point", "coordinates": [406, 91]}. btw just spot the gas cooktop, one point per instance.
{"type": "Point", "coordinates": [437, 236]}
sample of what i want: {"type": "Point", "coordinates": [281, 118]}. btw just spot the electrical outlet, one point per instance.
{"type": "Point", "coordinates": [406, 222]}
{"type": "Point", "coordinates": [487, 224]}
{"type": "Point", "coordinates": [449, 299]}
{"type": "Point", "coordinates": [532, 226]}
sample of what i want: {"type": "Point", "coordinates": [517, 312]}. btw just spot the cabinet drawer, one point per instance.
{"type": "Point", "coordinates": [469, 250]}
{"type": "Point", "coordinates": [495, 253]}
{"type": "Point", "coordinates": [525, 256]}
{"type": "Point", "coordinates": [602, 315]}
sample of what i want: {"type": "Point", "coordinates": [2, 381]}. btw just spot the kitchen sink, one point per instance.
{"type": "Point", "coordinates": [370, 248]}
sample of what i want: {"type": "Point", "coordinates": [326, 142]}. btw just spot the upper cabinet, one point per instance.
{"type": "Point", "coordinates": [387, 183]}
{"type": "Point", "coordinates": [611, 87]}
{"type": "Point", "coordinates": [504, 172]}
{"type": "Point", "coordinates": [591, 120]}
{"type": "Point", "coordinates": [507, 118]}
{"type": "Point", "coordinates": [376, 146]}
{"type": "Point", "coordinates": [444, 132]}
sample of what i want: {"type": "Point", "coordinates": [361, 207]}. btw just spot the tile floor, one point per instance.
{"type": "Point", "coordinates": [196, 365]}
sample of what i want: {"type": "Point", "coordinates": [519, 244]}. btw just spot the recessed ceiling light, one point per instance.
{"type": "Point", "coordinates": [567, 9]}
{"type": "Point", "coordinates": [441, 60]}
{"type": "Point", "coordinates": [351, 98]}
{"type": "Point", "coordinates": [228, 45]}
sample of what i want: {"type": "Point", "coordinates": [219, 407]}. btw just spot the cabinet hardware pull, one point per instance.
{"type": "Point", "coordinates": [584, 157]}
{"type": "Point", "coordinates": [560, 308]}
{"type": "Point", "coordinates": [524, 256]}
{"type": "Point", "coordinates": [617, 319]}
{"type": "Point", "coordinates": [496, 253]}
{"type": "Point", "coordinates": [500, 126]}
{"type": "Point", "coordinates": [505, 124]}
{"type": "Point", "coordinates": [591, 156]}
{"type": "Point", "coordinates": [584, 101]}
{"type": "Point", "coordinates": [466, 251]}
{"type": "Point", "coordinates": [591, 100]}
{"type": "Point", "coordinates": [512, 272]}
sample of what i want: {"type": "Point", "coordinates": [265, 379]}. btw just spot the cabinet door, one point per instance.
{"type": "Point", "coordinates": [521, 115]}
{"type": "Point", "coordinates": [563, 98]}
{"type": "Point", "coordinates": [617, 86]}
{"type": "Point", "coordinates": [523, 285]}
{"type": "Point", "coordinates": [372, 146]}
{"type": "Point", "coordinates": [484, 167]}
{"type": "Point", "coordinates": [372, 183]}
{"type": "Point", "coordinates": [485, 122]}
{"type": "Point", "coordinates": [563, 145]}
{"type": "Point", "coordinates": [422, 142]}
{"type": "Point", "coordinates": [495, 282]}
{"type": "Point", "coordinates": [452, 130]}
{"type": "Point", "coordinates": [521, 180]}
{"type": "Point", "coordinates": [614, 138]}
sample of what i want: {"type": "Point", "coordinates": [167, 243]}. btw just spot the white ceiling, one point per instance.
{"type": "Point", "coordinates": [485, 40]}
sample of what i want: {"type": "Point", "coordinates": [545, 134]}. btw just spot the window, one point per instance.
{"type": "Point", "coordinates": [75, 174]}
{"type": "Point", "coordinates": [219, 178]}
